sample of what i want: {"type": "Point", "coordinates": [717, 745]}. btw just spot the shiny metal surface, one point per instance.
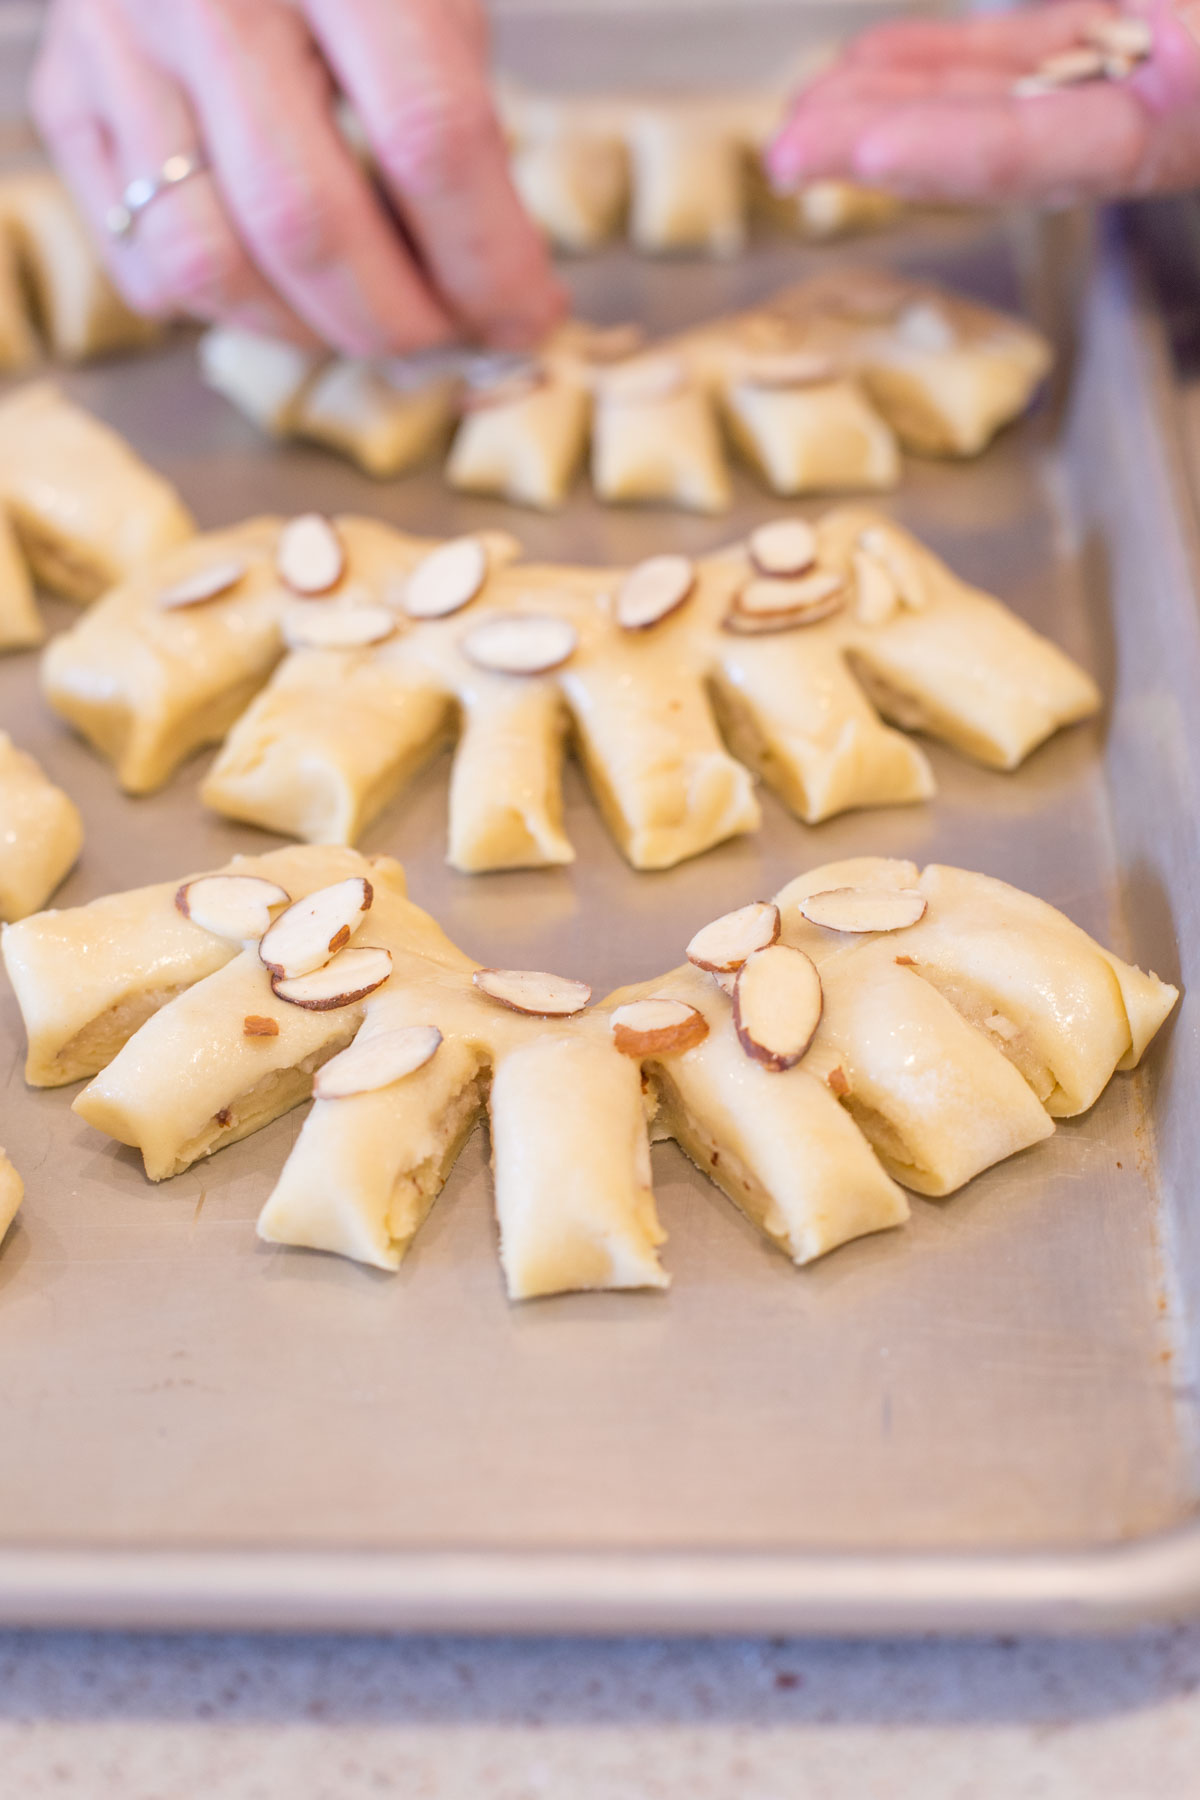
{"type": "Point", "coordinates": [985, 1419]}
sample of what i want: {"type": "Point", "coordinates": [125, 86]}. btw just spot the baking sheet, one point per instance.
{"type": "Point", "coordinates": [984, 1418]}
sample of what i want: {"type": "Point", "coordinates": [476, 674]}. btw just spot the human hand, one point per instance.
{"type": "Point", "coordinates": [285, 233]}
{"type": "Point", "coordinates": [927, 111]}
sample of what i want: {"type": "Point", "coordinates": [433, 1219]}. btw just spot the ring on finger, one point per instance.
{"type": "Point", "coordinates": [144, 190]}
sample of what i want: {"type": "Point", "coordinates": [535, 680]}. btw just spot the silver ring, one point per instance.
{"type": "Point", "coordinates": [143, 189]}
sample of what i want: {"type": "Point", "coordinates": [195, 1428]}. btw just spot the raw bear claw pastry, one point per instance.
{"type": "Point", "coordinates": [79, 510]}
{"type": "Point", "coordinates": [41, 833]}
{"type": "Point", "coordinates": [929, 1025]}
{"type": "Point", "coordinates": [819, 389]}
{"type": "Point", "coordinates": [51, 283]}
{"type": "Point", "coordinates": [787, 647]}
{"type": "Point", "coordinates": [684, 172]}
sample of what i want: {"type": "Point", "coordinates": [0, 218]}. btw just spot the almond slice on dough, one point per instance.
{"type": "Point", "coordinates": [612, 343]}
{"type": "Point", "coordinates": [864, 909]}
{"type": "Point", "coordinates": [785, 547]}
{"type": "Point", "coordinates": [349, 977]}
{"type": "Point", "coordinates": [658, 1026]}
{"type": "Point", "coordinates": [503, 390]}
{"type": "Point", "coordinates": [311, 625]}
{"type": "Point", "coordinates": [521, 643]}
{"type": "Point", "coordinates": [236, 907]}
{"type": "Point", "coordinates": [446, 580]}
{"type": "Point", "coordinates": [728, 941]}
{"type": "Point", "coordinates": [309, 556]}
{"type": "Point", "coordinates": [652, 589]}
{"type": "Point", "coordinates": [375, 1060]}
{"type": "Point", "coordinates": [780, 605]}
{"type": "Point", "coordinates": [777, 1006]}
{"type": "Point", "coordinates": [314, 929]}
{"type": "Point", "coordinates": [782, 369]}
{"type": "Point", "coordinates": [534, 992]}
{"type": "Point", "coordinates": [924, 326]}
{"type": "Point", "coordinates": [642, 383]}
{"type": "Point", "coordinates": [900, 563]}
{"type": "Point", "coordinates": [877, 594]}
{"type": "Point", "coordinates": [205, 584]}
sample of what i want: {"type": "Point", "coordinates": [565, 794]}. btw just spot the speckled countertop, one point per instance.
{"type": "Point", "coordinates": [121, 1718]}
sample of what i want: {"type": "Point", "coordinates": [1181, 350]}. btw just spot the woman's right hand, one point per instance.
{"type": "Point", "coordinates": [285, 233]}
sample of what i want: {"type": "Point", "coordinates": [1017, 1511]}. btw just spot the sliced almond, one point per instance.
{"type": "Point", "coordinates": [521, 643]}
{"type": "Point", "coordinates": [309, 625]}
{"type": "Point", "coordinates": [726, 980]}
{"type": "Point", "coordinates": [314, 929]}
{"type": "Point", "coordinates": [532, 991]}
{"type": "Point", "coordinates": [643, 383]}
{"type": "Point", "coordinates": [658, 1026]}
{"type": "Point", "coordinates": [612, 343]}
{"type": "Point", "coordinates": [257, 1025]}
{"type": "Point", "coordinates": [375, 1060]}
{"type": "Point", "coordinates": [348, 978]}
{"type": "Point", "coordinates": [653, 589]}
{"type": "Point", "coordinates": [925, 326]}
{"type": "Point", "coordinates": [235, 907]}
{"type": "Point", "coordinates": [877, 594]}
{"type": "Point", "coordinates": [205, 584]}
{"type": "Point", "coordinates": [1065, 67]}
{"type": "Point", "coordinates": [309, 556]}
{"type": "Point", "coordinates": [900, 562]}
{"type": "Point", "coordinates": [1122, 36]}
{"type": "Point", "coordinates": [781, 605]}
{"type": "Point", "coordinates": [777, 1006]}
{"type": "Point", "coordinates": [488, 391]}
{"type": "Point", "coordinates": [446, 580]}
{"type": "Point", "coordinates": [781, 369]}
{"type": "Point", "coordinates": [864, 909]}
{"type": "Point", "coordinates": [785, 547]}
{"type": "Point", "coordinates": [728, 941]}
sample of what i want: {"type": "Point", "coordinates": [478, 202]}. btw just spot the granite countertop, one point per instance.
{"type": "Point", "coordinates": [125, 1718]}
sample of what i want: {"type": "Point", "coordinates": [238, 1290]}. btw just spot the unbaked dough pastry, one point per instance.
{"type": "Point", "coordinates": [75, 305]}
{"type": "Point", "coordinates": [337, 730]}
{"type": "Point", "coordinates": [950, 1019]}
{"type": "Point", "coordinates": [819, 390]}
{"type": "Point", "coordinates": [12, 1191]}
{"type": "Point", "coordinates": [684, 172]}
{"type": "Point", "coordinates": [85, 508]}
{"type": "Point", "coordinates": [41, 833]}
{"type": "Point", "coordinates": [149, 683]}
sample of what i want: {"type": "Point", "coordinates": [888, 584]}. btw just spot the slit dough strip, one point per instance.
{"type": "Point", "coordinates": [317, 748]}
{"type": "Point", "coordinates": [819, 389]}
{"type": "Point", "coordinates": [41, 833]}
{"type": "Point", "coordinates": [943, 1048]}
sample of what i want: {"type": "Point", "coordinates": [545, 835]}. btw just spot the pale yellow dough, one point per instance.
{"type": "Point", "coordinates": [333, 735]}
{"type": "Point", "coordinates": [684, 171]}
{"type": "Point", "coordinates": [74, 304]}
{"type": "Point", "coordinates": [819, 390]}
{"type": "Point", "coordinates": [85, 508]}
{"type": "Point", "coordinates": [41, 833]}
{"type": "Point", "coordinates": [942, 1049]}
{"type": "Point", "coordinates": [12, 1191]}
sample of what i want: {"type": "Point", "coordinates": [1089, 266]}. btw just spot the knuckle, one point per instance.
{"type": "Point", "coordinates": [290, 225]}
{"type": "Point", "coordinates": [437, 139]}
{"type": "Point", "coordinates": [197, 272]}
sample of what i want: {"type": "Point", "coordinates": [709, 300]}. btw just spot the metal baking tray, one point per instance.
{"type": "Point", "coordinates": [984, 1421]}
